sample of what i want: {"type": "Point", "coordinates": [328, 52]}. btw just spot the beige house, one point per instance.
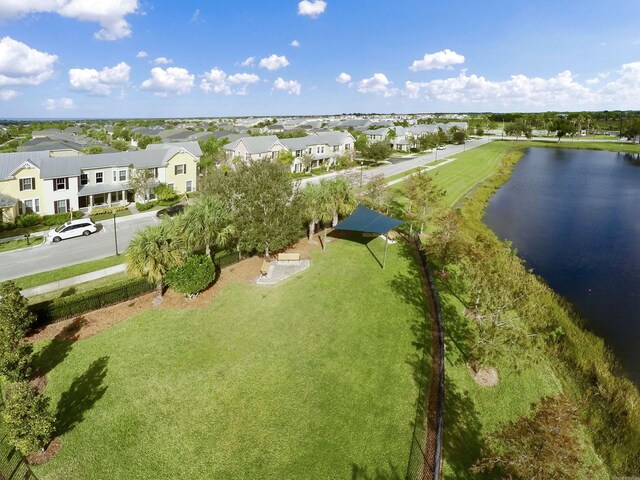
{"type": "Point", "coordinates": [35, 182]}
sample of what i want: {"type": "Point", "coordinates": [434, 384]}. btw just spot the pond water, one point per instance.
{"type": "Point", "coordinates": [574, 216]}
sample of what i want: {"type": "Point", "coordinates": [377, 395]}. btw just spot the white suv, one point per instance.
{"type": "Point", "coordinates": [73, 228]}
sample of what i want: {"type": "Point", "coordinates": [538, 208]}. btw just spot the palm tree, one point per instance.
{"type": "Point", "coordinates": [342, 200]}
{"type": "Point", "coordinates": [312, 199]}
{"type": "Point", "coordinates": [206, 224]}
{"type": "Point", "coordinates": [151, 254]}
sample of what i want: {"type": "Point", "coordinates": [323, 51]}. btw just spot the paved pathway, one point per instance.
{"type": "Point", "coordinates": [70, 282]}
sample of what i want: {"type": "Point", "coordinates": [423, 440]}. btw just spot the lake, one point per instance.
{"type": "Point", "coordinates": [574, 216]}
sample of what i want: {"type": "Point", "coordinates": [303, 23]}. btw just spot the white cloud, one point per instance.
{"type": "Point", "coordinates": [312, 8]}
{"type": "Point", "coordinates": [379, 83]}
{"type": "Point", "coordinates": [196, 16]}
{"type": "Point", "coordinates": [343, 78]}
{"type": "Point", "coordinates": [295, 43]}
{"type": "Point", "coordinates": [172, 81]}
{"type": "Point", "coordinates": [626, 86]}
{"type": "Point", "coordinates": [249, 62]}
{"type": "Point", "coordinates": [560, 91]}
{"type": "Point", "coordinates": [162, 61]}
{"type": "Point", "coordinates": [59, 103]}
{"type": "Point", "coordinates": [23, 65]}
{"type": "Point", "coordinates": [7, 94]}
{"type": "Point", "coordinates": [110, 14]}
{"type": "Point", "coordinates": [438, 61]}
{"type": "Point", "coordinates": [274, 62]}
{"type": "Point", "coordinates": [292, 87]}
{"type": "Point", "coordinates": [217, 81]}
{"type": "Point", "coordinates": [94, 82]}
{"type": "Point", "coordinates": [141, 54]}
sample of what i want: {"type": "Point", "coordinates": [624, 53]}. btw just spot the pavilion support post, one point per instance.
{"type": "Point", "coordinates": [386, 242]}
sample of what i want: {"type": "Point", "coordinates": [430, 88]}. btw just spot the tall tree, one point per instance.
{"type": "Point", "coordinates": [142, 182]}
{"type": "Point", "coordinates": [311, 201]}
{"type": "Point", "coordinates": [264, 211]}
{"type": "Point", "coordinates": [206, 224]}
{"type": "Point", "coordinates": [340, 197]}
{"type": "Point", "coordinates": [424, 198]}
{"type": "Point", "coordinates": [15, 319]}
{"type": "Point", "coordinates": [152, 252]}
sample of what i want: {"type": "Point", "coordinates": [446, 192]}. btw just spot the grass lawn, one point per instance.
{"type": "Point", "coordinates": [23, 230]}
{"type": "Point", "coordinates": [68, 272]}
{"type": "Point", "coordinates": [311, 378]}
{"type": "Point", "coordinates": [81, 287]}
{"type": "Point", "coordinates": [22, 243]}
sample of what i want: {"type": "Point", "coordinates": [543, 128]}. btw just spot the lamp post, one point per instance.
{"type": "Point", "coordinates": [361, 167]}
{"type": "Point", "coordinates": [115, 232]}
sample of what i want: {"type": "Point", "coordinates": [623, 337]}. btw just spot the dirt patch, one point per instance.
{"type": "Point", "coordinates": [89, 324]}
{"type": "Point", "coordinates": [39, 383]}
{"type": "Point", "coordinates": [39, 458]}
{"type": "Point", "coordinates": [485, 376]}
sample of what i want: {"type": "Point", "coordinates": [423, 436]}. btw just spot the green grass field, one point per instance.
{"type": "Point", "coordinates": [80, 287]}
{"type": "Point", "coordinates": [68, 272]}
{"type": "Point", "coordinates": [22, 243]}
{"type": "Point", "coordinates": [311, 378]}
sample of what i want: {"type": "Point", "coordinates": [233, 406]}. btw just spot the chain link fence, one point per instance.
{"type": "Point", "coordinates": [425, 457]}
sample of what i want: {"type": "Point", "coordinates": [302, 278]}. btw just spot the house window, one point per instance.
{"type": "Point", "coordinates": [60, 184]}
{"type": "Point", "coordinates": [84, 179]}
{"type": "Point", "coordinates": [99, 177]}
{"type": "Point", "coordinates": [122, 175]}
{"type": "Point", "coordinates": [27, 183]}
{"type": "Point", "coordinates": [31, 206]}
{"type": "Point", "coordinates": [115, 176]}
{"type": "Point", "coordinates": [189, 186]}
{"type": "Point", "coordinates": [172, 186]}
{"type": "Point", "coordinates": [180, 169]}
{"type": "Point", "coordinates": [61, 206]}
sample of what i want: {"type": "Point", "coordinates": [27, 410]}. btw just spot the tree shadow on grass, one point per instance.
{"type": "Point", "coordinates": [54, 353]}
{"type": "Point", "coordinates": [462, 437]}
{"type": "Point", "coordinates": [362, 473]}
{"type": "Point", "coordinates": [81, 396]}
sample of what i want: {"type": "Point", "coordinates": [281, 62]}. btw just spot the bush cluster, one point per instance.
{"type": "Point", "coordinates": [103, 210]}
{"type": "Point", "coordinates": [196, 274]}
{"type": "Point", "coordinates": [143, 207]}
{"type": "Point", "coordinates": [76, 304]}
{"type": "Point", "coordinates": [33, 219]}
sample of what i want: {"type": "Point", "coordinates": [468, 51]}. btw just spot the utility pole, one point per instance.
{"type": "Point", "coordinates": [115, 232]}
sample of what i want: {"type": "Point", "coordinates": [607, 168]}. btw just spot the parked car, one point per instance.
{"type": "Point", "coordinates": [73, 228]}
{"type": "Point", "coordinates": [441, 147]}
{"type": "Point", "coordinates": [170, 211]}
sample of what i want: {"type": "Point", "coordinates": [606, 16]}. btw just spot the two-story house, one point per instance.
{"type": "Point", "coordinates": [249, 149]}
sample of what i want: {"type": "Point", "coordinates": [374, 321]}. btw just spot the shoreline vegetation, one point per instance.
{"type": "Point", "coordinates": [563, 359]}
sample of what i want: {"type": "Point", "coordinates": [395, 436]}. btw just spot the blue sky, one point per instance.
{"type": "Point", "coordinates": [135, 58]}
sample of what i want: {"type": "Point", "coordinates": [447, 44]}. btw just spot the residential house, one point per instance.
{"type": "Point", "coordinates": [254, 148]}
{"type": "Point", "coordinates": [321, 149]}
{"type": "Point", "coordinates": [377, 135]}
{"type": "Point", "coordinates": [36, 182]}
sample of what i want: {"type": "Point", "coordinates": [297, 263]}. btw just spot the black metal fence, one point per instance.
{"type": "Point", "coordinates": [226, 259]}
{"type": "Point", "coordinates": [425, 457]}
{"type": "Point", "coordinates": [77, 304]}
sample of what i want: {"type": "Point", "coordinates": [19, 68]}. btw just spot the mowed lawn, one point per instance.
{"type": "Point", "coordinates": [311, 378]}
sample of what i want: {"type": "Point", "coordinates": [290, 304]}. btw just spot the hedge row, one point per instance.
{"type": "Point", "coordinates": [103, 210]}
{"type": "Point", "coordinates": [52, 311]}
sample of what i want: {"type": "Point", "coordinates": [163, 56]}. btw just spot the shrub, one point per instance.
{"type": "Point", "coordinates": [59, 218]}
{"type": "Point", "coordinates": [164, 192]}
{"type": "Point", "coordinates": [196, 274]}
{"type": "Point", "coordinates": [103, 210]}
{"type": "Point", "coordinates": [142, 207]}
{"type": "Point", "coordinates": [29, 220]}
{"type": "Point", "coordinates": [65, 307]}
{"type": "Point", "coordinates": [28, 419]}
{"type": "Point", "coordinates": [7, 226]}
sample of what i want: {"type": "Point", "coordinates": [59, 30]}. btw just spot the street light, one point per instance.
{"type": "Point", "coordinates": [361, 167]}
{"type": "Point", "coordinates": [115, 232]}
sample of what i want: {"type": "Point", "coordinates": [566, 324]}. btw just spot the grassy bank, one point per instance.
{"type": "Point", "coordinates": [572, 360]}
{"type": "Point", "coordinates": [68, 272]}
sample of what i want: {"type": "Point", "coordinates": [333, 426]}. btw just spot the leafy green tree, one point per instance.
{"type": "Point", "coordinates": [207, 224]}
{"type": "Point", "coordinates": [286, 157]}
{"type": "Point", "coordinates": [544, 446]}
{"type": "Point", "coordinates": [264, 212]}
{"type": "Point", "coordinates": [15, 319]}
{"type": "Point", "coordinates": [120, 145]}
{"type": "Point", "coordinates": [562, 127]}
{"type": "Point", "coordinates": [311, 200]}
{"type": "Point", "coordinates": [152, 252]}
{"type": "Point", "coordinates": [28, 418]}
{"type": "Point", "coordinates": [146, 140]}
{"type": "Point", "coordinates": [459, 135]}
{"type": "Point", "coordinates": [212, 152]}
{"type": "Point", "coordinates": [142, 182]}
{"type": "Point", "coordinates": [307, 161]}
{"type": "Point", "coordinates": [424, 198]}
{"type": "Point", "coordinates": [443, 239]}
{"type": "Point", "coordinates": [93, 150]}
{"type": "Point", "coordinates": [340, 196]}
{"type": "Point", "coordinates": [631, 130]}
{"type": "Point", "coordinates": [360, 144]}
{"type": "Point", "coordinates": [376, 194]}
{"type": "Point", "coordinates": [378, 151]}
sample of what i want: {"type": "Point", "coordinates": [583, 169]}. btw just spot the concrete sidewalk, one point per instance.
{"type": "Point", "coordinates": [70, 282]}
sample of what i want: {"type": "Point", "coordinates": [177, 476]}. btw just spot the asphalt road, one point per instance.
{"type": "Point", "coordinates": [18, 263]}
